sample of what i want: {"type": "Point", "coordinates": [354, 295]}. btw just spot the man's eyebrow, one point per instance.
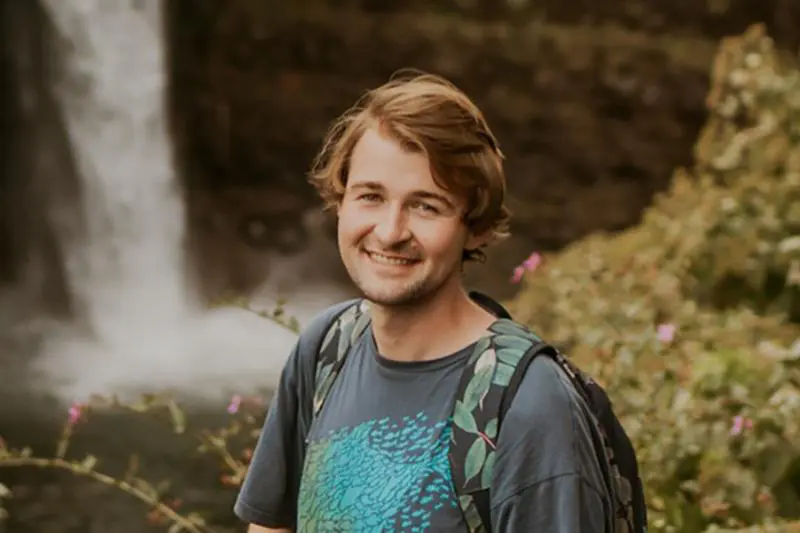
{"type": "Point", "coordinates": [433, 196]}
{"type": "Point", "coordinates": [370, 185]}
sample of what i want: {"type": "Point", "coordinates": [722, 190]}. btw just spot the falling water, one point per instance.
{"type": "Point", "coordinates": [146, 331]}
{"type": "Point", "coordinates": [128, 272]}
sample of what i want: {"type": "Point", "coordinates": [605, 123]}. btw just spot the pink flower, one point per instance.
{"type": "Point", "coordinates": [740, 423]}
{"type": "Point", "coordinates": [516, 277]}
{"type": "Point", "coordinates": [529, 265]}
{"type": "Point", "coordinates": [532, 262]}
{"type": "Point", "coordinates": [236, 402]}
{"type": "Point", "coordinates": [666, 332]}
{"type": "Point", "coordinates": [75, 413]}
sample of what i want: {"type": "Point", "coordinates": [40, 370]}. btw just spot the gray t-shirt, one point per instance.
{"type": "Point", "coordinates": [376, 457]}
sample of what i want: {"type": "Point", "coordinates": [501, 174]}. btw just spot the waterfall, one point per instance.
{"type": "Point", "coordinates": [128, 272]}
{"type": "Point", "coordinates": [141, 328]}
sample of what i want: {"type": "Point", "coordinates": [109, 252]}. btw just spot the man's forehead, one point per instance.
{"type": "Point", "coordinates": [380, 162]}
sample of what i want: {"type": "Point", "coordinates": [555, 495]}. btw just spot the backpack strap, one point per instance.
{"type": "Point", "coordinates": [336, 344]}
{"type": "Point", "coordinates": [478, 410]}
{"type": "Point", "coordinates": [622, 470]}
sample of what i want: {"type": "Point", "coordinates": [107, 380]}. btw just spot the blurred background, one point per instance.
{"type": "Point", "coordinates": [154, 158]}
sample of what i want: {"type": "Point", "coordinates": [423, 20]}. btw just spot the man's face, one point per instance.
{"type": "Point", "coordinates": [401, 236]}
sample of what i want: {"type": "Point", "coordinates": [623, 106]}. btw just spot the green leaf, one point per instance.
{"type": "Point", "coordinates": [478, 387]}
{"type": "Point", "coordinates": [329, 336]}
{"type": "Point", "coordinates": [348, 317]}
{"type": "Point", "coordinates": [471, 515]}
{"type": "Point", "coordinates": [510, 356]}
{"type": "Point", "coordinates": [491, 429]}
{"type": "Point", "coordinates": [462, 417]}
{"type": "Point", "coordinates": [481, 346]}
{"type": "Point", "coordinates": [475, 458]}
{"type": "Point", "coordinates": [359, 327]}
{"type": "Point", "coordinates": [503, 375]}
{"type": "Point", "coordinates": [323, 387]}
{"type": "Point", "coordinates": [344, 339]}
{"type": "Point", "coordinates": [178, 417]}
{"type": "Point", "coordinates": [324, 372]}
{"type": "Point", "coordinates": [509, 327]}
{"type": "Point", "coordinates": [513, 342]}
{"type": "Point", "coordinates": [488, 359]}
{"type": "Point", "coordinates": [488, 469]}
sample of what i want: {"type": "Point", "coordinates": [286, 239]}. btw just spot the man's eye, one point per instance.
{"type": "Point", "coordinates": [370, 197]}
{"type": "Point", "coordinates": [425, 208]}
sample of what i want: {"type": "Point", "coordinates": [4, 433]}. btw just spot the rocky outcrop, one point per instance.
{"type": "Point", "coordinates": [38, 182]}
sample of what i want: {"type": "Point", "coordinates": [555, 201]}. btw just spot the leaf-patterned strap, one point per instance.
{"type": "Point", "coordinates": [336, 343]}
{"type": "Point", "coordinates": [472, 515]}
{"type": "Point", "coordinates": [476, 415]}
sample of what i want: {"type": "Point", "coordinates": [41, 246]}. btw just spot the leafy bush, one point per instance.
{"type": "Point", "coordinates": [691, 318]}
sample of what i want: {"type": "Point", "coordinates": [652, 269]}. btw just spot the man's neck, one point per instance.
{"type": "Point", "coordinates": [431, 330]}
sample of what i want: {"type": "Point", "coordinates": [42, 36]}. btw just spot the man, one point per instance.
{"type": "Point", "coordinates": [416, 180]}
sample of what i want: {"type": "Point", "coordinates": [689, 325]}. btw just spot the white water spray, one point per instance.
{"type": "Point", "coordinates": [146, 330]}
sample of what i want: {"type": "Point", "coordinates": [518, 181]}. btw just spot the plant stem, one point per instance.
{"type": "Point", "coordinates": [57, 463]}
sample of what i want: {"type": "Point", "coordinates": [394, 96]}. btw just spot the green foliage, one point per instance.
{"type": "Point", "coordinates": [691, 318]}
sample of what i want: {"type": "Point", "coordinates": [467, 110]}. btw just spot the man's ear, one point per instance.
{"type": "Point", "coordinates": [475, 241]}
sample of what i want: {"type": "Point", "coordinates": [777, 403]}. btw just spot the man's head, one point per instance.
{"type": "Point", "coordinates": [416, 179]}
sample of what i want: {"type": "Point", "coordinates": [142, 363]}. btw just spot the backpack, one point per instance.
{"type": "Point", "coordinates": [490, 379]}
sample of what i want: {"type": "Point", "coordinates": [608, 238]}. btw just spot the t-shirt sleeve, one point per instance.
{"type": "Point", "coordinates": [565, 504]}
{"type": "Point", "coordinates": [268, 496]}
{"type": "Point", "coordinates": [547, 477]}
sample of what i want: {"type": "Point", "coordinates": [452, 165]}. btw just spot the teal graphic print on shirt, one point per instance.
{"type": "Point", "coordinates": [382, 475]}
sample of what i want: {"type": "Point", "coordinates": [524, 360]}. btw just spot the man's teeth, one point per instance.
{"type": "Point", "coordinates": [380, 258]}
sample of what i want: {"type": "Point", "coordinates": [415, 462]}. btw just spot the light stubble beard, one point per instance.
{"type": "Point", "coordinates": [413, 294]}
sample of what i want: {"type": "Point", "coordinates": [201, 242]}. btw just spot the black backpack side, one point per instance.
{"type": "Point", "coordinates": [630, 505]}
{"type": "Point", "coordinates": [619, 457]}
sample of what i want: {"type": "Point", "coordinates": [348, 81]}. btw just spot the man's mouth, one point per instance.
{"type": "Point", "coordinates": [392, 260]}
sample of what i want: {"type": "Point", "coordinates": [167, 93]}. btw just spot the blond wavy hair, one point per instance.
{"type": "Point", "coordinates": [425, 114]}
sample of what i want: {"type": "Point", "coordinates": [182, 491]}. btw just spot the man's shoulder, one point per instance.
{"type": "Point", "coordinates": [548, 429]}
{"type": "Point", "coordinates": [311, 335]}
{"type": "Point", "coordinates": [547, 392]}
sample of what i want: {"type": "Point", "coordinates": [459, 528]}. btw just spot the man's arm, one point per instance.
{"type": "Point", "coordinates": [547, 477]}
{"type": "Point", "coordinates": [268, 496]}
{"type": "Point", "coordinates": [565, 504]}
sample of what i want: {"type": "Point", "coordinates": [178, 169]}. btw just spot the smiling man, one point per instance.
{"type": "Point", "coordinates": [387, 416]}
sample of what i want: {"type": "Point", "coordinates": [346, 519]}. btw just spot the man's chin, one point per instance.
{"type": "Point", "coordinates": [397, 297]}
{"type": "Point", "coordinates": [386, 298]}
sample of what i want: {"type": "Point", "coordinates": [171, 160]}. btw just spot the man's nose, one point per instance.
{"type": "Point", "coordinates": [392, 227]}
